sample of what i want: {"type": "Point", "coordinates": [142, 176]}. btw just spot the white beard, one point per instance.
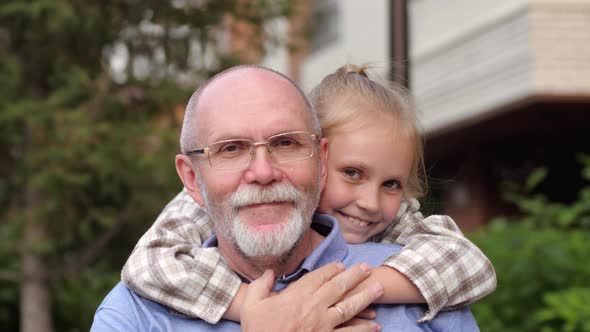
{"type": "Point", "coordinates": [248, 241]}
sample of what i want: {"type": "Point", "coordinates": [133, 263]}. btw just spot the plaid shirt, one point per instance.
{"type": "Point", "coordinates": [169, 266]}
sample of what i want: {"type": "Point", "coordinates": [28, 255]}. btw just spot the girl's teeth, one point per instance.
{"type": "Point", "coordinates": [358, 222]}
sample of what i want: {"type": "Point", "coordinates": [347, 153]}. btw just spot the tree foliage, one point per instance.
{"type": "Point", "coordinates": [542, 262]}
{"type": "Point", "coordinates": [90, 102]}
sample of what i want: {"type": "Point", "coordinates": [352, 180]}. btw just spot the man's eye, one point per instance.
{"type": "Point", "coordinates": [231, 148]}
{"type": "Point", "coordinates": [352, 173]}
{"type": "Point", "coordinates": [285, 142]}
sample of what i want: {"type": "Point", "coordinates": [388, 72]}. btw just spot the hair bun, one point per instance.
{"type": "Point", "coordinates": [354, 69]}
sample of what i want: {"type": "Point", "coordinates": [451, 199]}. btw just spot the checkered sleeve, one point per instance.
{"type": "Point", "coordinates": [449, 270]}
{"type": "Point", "coordinates": [169, 266]}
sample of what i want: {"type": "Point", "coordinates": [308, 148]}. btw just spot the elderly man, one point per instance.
{"type": "Point", "coordinates": [253, 157]}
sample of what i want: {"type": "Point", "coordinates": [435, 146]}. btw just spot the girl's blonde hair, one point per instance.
{"type": "Point", "coordinates": [343, 96]}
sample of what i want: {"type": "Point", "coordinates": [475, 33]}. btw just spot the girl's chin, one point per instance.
{"type": "Point", "coordinates": [354, 238]}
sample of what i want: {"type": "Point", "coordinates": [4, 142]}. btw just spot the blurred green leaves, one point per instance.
{"type": "Point", "coordinates": [539, 211]}
{"type": "Point", "coordinates": [570, 307]}
{"type": "Point", "coordinates": [86, 147]}
{"type": "Point", "coordinates": [542, 260]}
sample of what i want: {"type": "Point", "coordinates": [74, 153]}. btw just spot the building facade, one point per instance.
{"type": "Point", "coordinates": [502, 87]}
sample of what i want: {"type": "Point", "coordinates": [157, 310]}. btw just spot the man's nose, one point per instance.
{"type": "Point", "coordinates": [262, 169]}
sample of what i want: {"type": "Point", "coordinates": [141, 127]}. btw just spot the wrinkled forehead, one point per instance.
{"type": "Point", "coordinates": [250, 100]}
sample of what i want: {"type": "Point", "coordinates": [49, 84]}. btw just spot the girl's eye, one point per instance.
{"type": "Point", "coordinates": [392, 184]}
{"type": "Point", "coordinates": [352, 173]}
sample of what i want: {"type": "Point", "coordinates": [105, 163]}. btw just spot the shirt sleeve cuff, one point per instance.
{"type": "Point", "coordinates": [215, 305]}
{"type": "Point", "coordinates": [420, 272]}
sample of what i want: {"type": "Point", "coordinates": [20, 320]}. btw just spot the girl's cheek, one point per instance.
{"type": "Point", "coordinates": [393, 208]}
{"type": "Point", "coordinates": [327, 204]}
{"type": "Point", "coordinates": [327, 200]}
{"type": "Point", "coordinates": [338, 194]}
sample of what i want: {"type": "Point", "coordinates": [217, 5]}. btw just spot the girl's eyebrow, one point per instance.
{"type": "Point", "coordinates": [355, 163]}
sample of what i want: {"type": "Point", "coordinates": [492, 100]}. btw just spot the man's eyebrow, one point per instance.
{"type": "Point", "coordinates": [222, 136]}
{"type": "Point", "coordinates": [226, 137]}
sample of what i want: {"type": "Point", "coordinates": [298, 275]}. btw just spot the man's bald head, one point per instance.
{"type": "Point", "coordinates": [188, 136]}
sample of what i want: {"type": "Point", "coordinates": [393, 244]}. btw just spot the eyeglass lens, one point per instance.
{"type": "Point", "coordinates": [284, 148]}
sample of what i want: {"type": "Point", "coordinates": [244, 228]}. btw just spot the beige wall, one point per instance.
{"type": "Point", "coordinates": [472, 59]}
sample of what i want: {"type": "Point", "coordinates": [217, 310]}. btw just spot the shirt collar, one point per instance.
{"type": "Point", "coordinates": [333, 249]}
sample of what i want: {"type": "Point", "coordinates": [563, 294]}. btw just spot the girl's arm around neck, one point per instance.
{"type": "Point", "coordinates": [447, 268]}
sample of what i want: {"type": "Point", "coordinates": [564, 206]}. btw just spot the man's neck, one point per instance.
{"type": "Point", "coordinates": [253, 267]}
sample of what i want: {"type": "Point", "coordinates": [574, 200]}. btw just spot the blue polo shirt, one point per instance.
{"type": "Point", "coordinates": [123, 310]}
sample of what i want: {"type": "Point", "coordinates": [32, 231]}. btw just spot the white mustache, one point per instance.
{"type": "Point", "coordinates": [279, 192]}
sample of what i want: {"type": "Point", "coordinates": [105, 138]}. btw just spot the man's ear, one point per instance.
{"type": "Point", "coordinates": [324, 160]}
{"type": "Point", "coordinates": [186, 172]}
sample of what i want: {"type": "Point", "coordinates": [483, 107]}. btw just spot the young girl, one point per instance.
{"type": "Point", "coordinates": [374, 176]}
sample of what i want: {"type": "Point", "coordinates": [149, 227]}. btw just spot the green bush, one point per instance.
{"type": "Point", "coordinates": [535, 267]}
{"type": "Point", "coordinates": [542, 260]}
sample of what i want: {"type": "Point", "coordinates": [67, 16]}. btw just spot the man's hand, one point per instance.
{"type": "Point", "coordinates": [313, 303]}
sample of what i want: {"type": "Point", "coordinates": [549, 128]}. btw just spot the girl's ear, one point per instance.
{"type": "Point", "coordinates": [188, 176]}
{"type": "Point", "coordinates": [324, 160]}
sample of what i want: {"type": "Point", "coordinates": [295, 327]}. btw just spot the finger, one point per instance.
{"type": "Point", "coordinates": [335, 289]}
{"type": "Point", "coordinates": [310, 282]}
{"type": "Point", "coordinates": [359, 325]}
{"type": "Point", "coordinates": [259, 289]}
{"type": "Point", "coordinates": [367, 314]}
{"type": "Point", "coordinates": [354, 304]}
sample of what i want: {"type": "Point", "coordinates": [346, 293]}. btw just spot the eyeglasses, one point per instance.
{"type": "Point", "coordinates": [238, 153]}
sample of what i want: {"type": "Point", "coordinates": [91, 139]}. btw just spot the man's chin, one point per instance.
{"type": "Point", "coordinates": [266, 217]}
{"type": "Point", "coordinates": [266, 229]}
{"type": "Point", "coordinates": [266, 240]}
{"type": "Point", "coordinates": [266, 248]}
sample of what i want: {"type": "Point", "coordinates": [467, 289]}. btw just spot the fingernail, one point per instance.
{"type": "Point", "coordinates": [365, 267]}
{"type": "Point", "coordinates": [266, 275]}
{"type": "Point", "coordinates": [377, 288]}
{"type": "Point", "coordinates": [375, 327]}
